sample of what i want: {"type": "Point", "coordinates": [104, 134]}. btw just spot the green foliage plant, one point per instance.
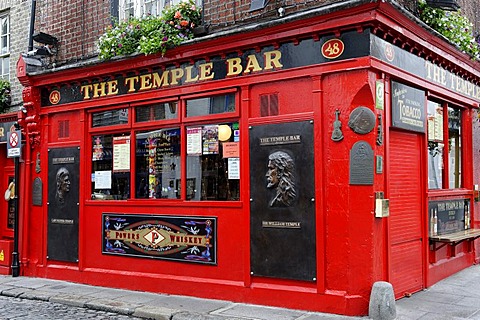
{"type": "Point", "coordinates": [5, 97]}
{"type": "Point", "coordinates": [452, 25]}
{"type": "Point", "coordinates": [151, 34]}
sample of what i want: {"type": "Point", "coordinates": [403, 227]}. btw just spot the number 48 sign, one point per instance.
{"type": "Point", "coordinates": [14, 144]}
{"type": "Point", "coordinates": [333, 48]}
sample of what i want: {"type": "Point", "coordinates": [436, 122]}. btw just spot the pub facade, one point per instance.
{"type": "Point", "coordinates": [293, 165]}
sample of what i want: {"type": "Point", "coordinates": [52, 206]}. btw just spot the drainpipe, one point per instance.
{"type": "Point", "coordinates": [32, 25]}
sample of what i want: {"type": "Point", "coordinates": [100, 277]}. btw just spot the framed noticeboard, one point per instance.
{"type": "Point", "coordinates": [408, 107]}
{"type": "Point", "coordinates": [179, 238]}
{"type": "Point", "coordinates": [448, 216]}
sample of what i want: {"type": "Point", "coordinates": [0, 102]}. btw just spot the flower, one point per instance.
{"type": "Point", "coordinates": [455, 27]}
{"type": "Point", "coordinates": [150, 34]}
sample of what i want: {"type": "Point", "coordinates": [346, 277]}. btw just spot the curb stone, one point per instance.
{"type": "Point", "coordinates": [15, 292]}
{"type": "Point", "coordinates": [111, 306]}
{"type": "Point", "coordinates": [186, 315]}
{"type": "Point", "coordinates": [151, 312]}
{"type": "Point", "coordinates": [74, 301]}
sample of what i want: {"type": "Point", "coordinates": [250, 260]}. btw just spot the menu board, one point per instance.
{"type": "Point", "coordinates": [121, 153]}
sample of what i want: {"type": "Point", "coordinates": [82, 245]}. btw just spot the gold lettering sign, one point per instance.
{"type": "Point", "coordinates": [270, 60]}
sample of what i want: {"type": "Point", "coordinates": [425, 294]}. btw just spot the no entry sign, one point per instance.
{"type": "Point", "coordinates": [14, 144]}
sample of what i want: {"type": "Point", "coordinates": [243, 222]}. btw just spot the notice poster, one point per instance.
{"type": "Point", "coordinates": [194, 141]}
{"type": "Point", "coordinates": [210, 139]}
{"type": "Point", "coordinates": [121, 153]}
{"type": "Point", "coordinates": [231, 149]}
{"type": "Point", "coordinates": [233, 168]}
{"type": "Point", "coordinates": [97, 149]}
{"type": "Point", "coordinates": [438, 124]}
{"type": "Point", "coordinates": [103, 179]}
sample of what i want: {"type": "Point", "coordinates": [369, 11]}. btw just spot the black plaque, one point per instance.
{"type": "Point", "coordinates": [186, 239]}
{"type": "Point", "coordinates": [362, 120]}
{"type": "Point", "coordinates": [361, 164]}
{"type": "Point", "coordinates": [11, 214]}
{"type": "Point", "coordinates": [63, 183]}
{"type": "Point", "coordinates": [408, 107]}
{"type": "Point", "coordinates": [37, 192]}
{"type": "Point", "coordinates": [282, 210]}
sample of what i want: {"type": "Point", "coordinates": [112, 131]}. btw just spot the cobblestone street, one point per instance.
{"type": "Point", "coordinates": [15, 308]}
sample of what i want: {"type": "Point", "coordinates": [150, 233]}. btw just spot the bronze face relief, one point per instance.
{"type": "Point", "coordinates": [63, 184]}
{"type": "Point", "coordinates": [280, 176]}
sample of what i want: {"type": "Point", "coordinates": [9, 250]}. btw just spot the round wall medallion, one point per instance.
{"type": "Point", "coordinates": [362, 120]}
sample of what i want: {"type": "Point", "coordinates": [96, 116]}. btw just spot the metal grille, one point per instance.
{"type": "Point", "coordinates": [64, 128]}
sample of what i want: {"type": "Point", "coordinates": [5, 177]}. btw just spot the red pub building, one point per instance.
{"type": "Point", "coordinates": [292, 164]}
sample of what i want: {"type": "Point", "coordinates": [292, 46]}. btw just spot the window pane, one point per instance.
{"type": "Point", "coordinates": [211, 105]}
{"type": "Point", "coordinates": [160, 111]}
{"type": "Point", "coordinates": [111, 167]}
{"type": "Point", "coordinates": [5, 67]}
{"type": "Point", "coordinates": [4, 44]}
{"type": "Point", "coordinates": [110, 117]}
{"type": "Point", "coordinates": [213, 162]}
{"type": "Point", "coordinates": [151, 7]}
{"type": "Point", "coordinates": [454, 148]}
{"type": "Point", "coordinates": [435, 145]}
{"type": "Point", "coordinates": [126, 9]}
{"type": "Point", "coordinates": [158, 164]}
{"type": "Point", "coordinates": [5, 26]}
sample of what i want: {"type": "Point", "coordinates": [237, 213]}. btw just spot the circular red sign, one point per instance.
{"type": "Point", "coordinates": [389, 52]}
{"type": "Point", "coordinates": [54, 97]}
{"type": "Point", "coordinates": [13, 139]}
{"type": "Point", "coordinates": [333, 48]}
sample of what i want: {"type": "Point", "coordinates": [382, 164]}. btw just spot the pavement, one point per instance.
{"type": "Point", "coordinates": [457, 297]}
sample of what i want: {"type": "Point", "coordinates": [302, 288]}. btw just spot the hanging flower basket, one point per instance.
{"type": "Point", "coordinates": [452, 25]}
{"type": "Point", "coordinates": [151, 34]}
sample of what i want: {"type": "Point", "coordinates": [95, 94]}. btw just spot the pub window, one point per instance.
{"type": "Point", "coordinates": [162, 144]}
{"type": "Point", "coordinates": [213, 162]}
{"type": "Point", "coordinates": [109, 118]}
{"type": "Point", "coordinates": [157, 164]}
{"type": "Point", "coordinates": [444, 146]}
{"type": "Point", "coordinates": [111, 166]}
{"type": "Point", "coordinates": [159, 111]}
{"type": "Point", "coordinates": [210, 105]}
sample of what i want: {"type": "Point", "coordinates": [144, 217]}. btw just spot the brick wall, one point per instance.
{"type": "Point", "coordinates": [77, 24]}
{"type": "Point", "coordinates": [222, 14]}
{"type": "Point", "coordinates": [19, 11]}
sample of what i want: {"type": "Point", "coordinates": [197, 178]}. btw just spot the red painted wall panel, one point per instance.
{"type": "Point", "coordinates": [349, 209]}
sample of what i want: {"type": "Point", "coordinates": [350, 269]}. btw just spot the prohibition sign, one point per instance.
{"type": "Point", "coordinates": [13, 139]}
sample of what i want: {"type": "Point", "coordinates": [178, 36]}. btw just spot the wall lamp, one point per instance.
{"type": "Point", "coordinates": [49, 44]}
{"type": "Point", "coordinates": [45, 38]}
